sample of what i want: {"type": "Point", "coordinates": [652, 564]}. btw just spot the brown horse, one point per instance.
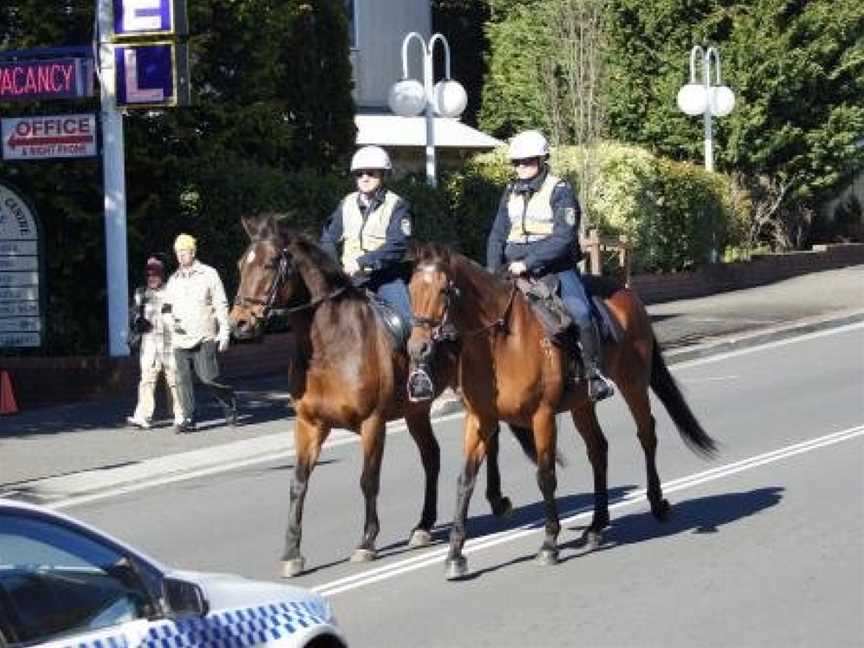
{"type": "Point", "coordinates": [509, 371]}
{"type": "Point", "coordinates": [347, 372]}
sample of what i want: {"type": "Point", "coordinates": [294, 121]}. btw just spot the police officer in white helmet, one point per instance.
{"type": "Point", "coordinates": [536, 233]}
{"type": "Point", "coordinates": [373, 226]}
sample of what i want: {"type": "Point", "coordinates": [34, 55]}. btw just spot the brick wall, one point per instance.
{"type": "Point", "coordinates": [50, 381]}
{"type": "Point", "coordinates": [760, 270]}
{"type": "Point", "coordinates": [45, 381]}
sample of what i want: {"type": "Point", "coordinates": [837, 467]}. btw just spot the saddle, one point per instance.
{"type": "Point", "coordinates": [544, 296]}
{"type": "Point", "coordinates": [396, 325]}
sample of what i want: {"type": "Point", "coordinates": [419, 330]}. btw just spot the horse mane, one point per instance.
{"type": "Point", "coordinates": [448, 259]}
{"type": "Point", "coordinates": [310, 257]}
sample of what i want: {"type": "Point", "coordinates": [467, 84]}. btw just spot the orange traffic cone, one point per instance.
{"type": "Point", "coordinates": [7, 395]}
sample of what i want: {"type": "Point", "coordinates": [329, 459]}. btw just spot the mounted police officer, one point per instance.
{"type": "Point", "coordinates": [536, 234]}
{"type": "Point", "coordinates": [373, 224]}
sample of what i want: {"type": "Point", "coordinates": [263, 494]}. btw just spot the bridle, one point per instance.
{"type": "Point", "coordinates": [269, 304]}
{"type": "Point", "coordinates": [444, 329]}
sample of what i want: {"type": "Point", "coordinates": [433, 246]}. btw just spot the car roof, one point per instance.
{"type": "Point", "coordinates": [46, 512]}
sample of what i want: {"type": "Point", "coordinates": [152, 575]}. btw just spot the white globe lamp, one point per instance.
{"type": "Point", "coordinates": [721, 100]}
{"type": "Point", "coordinates": [407, 98]}
{"type": "Point", "coordinates": [692, 99]}
{"type": "Point", "coordinates": [449, 98]}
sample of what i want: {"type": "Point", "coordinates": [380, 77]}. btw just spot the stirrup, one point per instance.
{"type": "Point", "coordinates": [599, 387]}
{"type": "Point", "coordinates": [420, 386]}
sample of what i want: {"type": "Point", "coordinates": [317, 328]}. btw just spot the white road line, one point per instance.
{"type": "Point", "coordinates": [434, 557]}
{"type": "Point", "coordinates": [399, 427]}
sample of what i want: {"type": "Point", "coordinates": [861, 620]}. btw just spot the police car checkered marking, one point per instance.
{"type": "Point", "coordinates": [230, 629]}
{"type": "Point", "coordinates": [237, 628]}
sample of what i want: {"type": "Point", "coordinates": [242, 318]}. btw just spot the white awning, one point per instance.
{"type": "Point", "coordinates": [392, 130]}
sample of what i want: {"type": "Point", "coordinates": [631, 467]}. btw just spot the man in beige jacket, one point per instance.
{"type": "Point", "coordinates": [197, 310]}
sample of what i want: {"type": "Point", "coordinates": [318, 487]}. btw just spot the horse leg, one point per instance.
{"type": "Point", "coordinates": [307, 441]}
{"type": "Point", "coordinates": [585, 419]}
{"type": "Point", "coordinates": [545, 441]}
{"type": "Point", "coordinates": [421, 431]}
{"type": "Point", "coordinates": [372, 434]}
{"type": "Point", "coordinates": [640, 406]}
{"type": "Point", "coordinates": [502, 507]}
{"type": "Point", "coordinates": [456, 566]}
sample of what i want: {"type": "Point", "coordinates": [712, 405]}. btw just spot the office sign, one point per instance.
{"type": "Point", "coordinates": [20, 275]}
{"type": "Point", "coordinates": [69, 78]}
{"type": "Point", "coordinates": [149, 18]}
{"type": "Point", "coordinates": [151, 75]}
{"type": "Point", "coordinates": [46, 137]}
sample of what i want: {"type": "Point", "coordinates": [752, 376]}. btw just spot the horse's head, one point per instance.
{"type": "Point", "coordinates": [268, 277]}
{"type": "Point", "coordinates": [433, 294]}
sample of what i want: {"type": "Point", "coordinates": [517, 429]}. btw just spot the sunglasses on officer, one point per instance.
{"type": "Point", "coordinates": [372, 173]}
{"type": "Point", "coordinates": [532, 161]}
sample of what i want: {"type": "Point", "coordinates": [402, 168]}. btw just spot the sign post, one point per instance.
{"type": "Point", "coordinates": [114, 181]}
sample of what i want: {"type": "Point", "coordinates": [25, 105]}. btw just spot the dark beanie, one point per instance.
{"type": "Point", "coordinates": [155, 266]}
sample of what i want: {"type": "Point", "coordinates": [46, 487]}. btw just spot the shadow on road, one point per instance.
{"type": "Point", "coordinates": [701, 515]}
{"type": "Point", "coordinates": [261, 401]}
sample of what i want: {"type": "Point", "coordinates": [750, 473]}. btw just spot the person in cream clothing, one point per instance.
{"type": "Point", "coordinates": [197, 311]}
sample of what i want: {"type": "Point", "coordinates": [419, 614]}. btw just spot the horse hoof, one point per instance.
{"type": "Point", "coordinates": [293, 567]}
{"type": "Point", "coordinates": [591, 539]}
{"type": "Point", "coordinates": [420, 538]}
{"type": "Point", "coordinates": [456, 568]}
{"type": "Point", "coordinates": [503, 508]}
{"type": "Point", "coordinates": [363, 555]}
{"type": "Point", "coordinates": [548, 557]}
{"type": "Point", "coordinates": [662, 510]}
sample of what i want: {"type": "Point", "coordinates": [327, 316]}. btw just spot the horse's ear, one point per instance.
{"type": "Point", "coordinates": [414, 252]}
{"type": "Point", "coordinates": [250, 224]}
{"type": "Point", "coordinates": [260, 226]}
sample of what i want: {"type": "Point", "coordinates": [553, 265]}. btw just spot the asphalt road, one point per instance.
{"type": "Point", "coordinates": [764, 547]}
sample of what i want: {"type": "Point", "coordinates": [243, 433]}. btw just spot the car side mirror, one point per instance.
{"type": "Point", "coordinates": [184, 599]}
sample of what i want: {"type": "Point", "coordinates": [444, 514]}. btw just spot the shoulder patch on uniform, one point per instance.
{"type": "Point", "coordinates": [570, 216]}
{"type": "Point", "coordinates": [405, 226]}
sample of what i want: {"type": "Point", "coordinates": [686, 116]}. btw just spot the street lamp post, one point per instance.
{"type": "Point", "coordinates": [704, 98]}
{"type": "Point", "coordinates": [408, 97]}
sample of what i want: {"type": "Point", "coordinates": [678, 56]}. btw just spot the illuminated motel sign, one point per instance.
{"type": "Point", "coordinates": [66, 78]}
{"type": "Point", "coordinates": [149, 18]}
{"type": "Point", "coordinates": [151, 73]}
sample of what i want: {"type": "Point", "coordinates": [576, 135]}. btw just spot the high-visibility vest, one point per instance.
{"type": "Point", "coordinates": [360, 235]}
{"type": "Point", "coordinates": [532, 222]}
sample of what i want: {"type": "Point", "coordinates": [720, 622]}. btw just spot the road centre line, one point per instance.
{"type": "Point", "coordinates": [393, 428]}
{"type": "Point", "coordinates": [434, 557]}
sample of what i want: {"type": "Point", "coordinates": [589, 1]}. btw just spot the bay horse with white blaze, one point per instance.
{"type": "Point", "coordinates": [510, 371]}
{"type": "Point", "coordinates": [346, 372]}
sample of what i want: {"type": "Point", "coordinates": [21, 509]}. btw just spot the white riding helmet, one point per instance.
{"type": "Point", "coordinates": [528, 144]}
{"type": "Point", "coordinates": [371, 157]}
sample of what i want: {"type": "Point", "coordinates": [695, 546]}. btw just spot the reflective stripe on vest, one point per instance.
{"type": "Point", "coordinates": [535, 221]}
{"type": "Point", "coordinates": [359, 235]}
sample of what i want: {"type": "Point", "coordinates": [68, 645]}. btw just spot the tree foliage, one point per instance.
{"type": "Point", "coordinates": [797, 69]}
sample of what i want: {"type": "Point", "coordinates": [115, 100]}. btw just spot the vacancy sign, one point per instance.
{"type": "Point", "coordinates": [47, 137]}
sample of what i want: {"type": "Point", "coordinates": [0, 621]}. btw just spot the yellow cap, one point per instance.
{"type": "Point", "coordinates": [185, 242]}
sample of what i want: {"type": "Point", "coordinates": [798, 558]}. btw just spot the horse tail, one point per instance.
{"type": "Point", "coordinates": [670, 395]}
{"type": "Point", "coordinates": [525, 437]}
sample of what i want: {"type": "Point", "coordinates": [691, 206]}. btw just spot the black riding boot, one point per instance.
{"type": "Point", "coordinates": [599, 386]}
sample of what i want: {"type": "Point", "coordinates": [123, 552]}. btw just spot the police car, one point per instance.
{"type": "Point", "coordinates": [65, 584]}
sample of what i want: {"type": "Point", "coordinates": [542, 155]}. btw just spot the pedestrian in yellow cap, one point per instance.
{"type": "Point", "coordinates": [198, 311]}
